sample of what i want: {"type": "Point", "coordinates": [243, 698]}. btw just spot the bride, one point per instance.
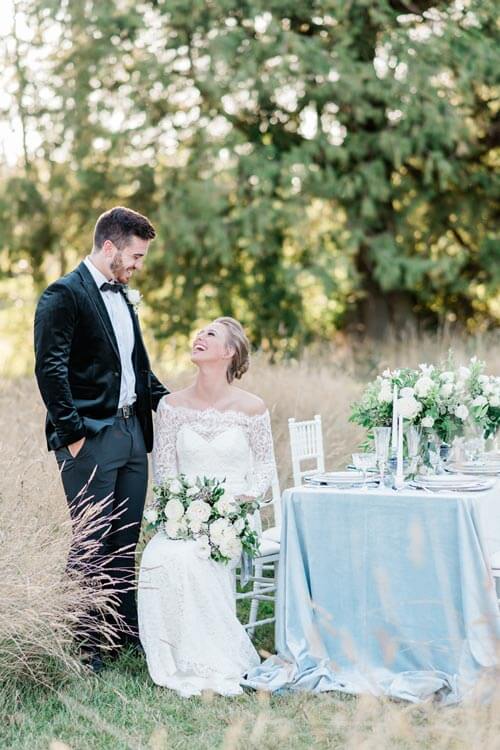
{"type": "Point", "coordinates": [187, 617]}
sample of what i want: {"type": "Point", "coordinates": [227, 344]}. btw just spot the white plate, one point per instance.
{"type": "Point", "coordinates": [447, 480]}
{"type": "Point", "coordinates": [486, 470]}
{"type": "Point", "coordinates": [477, 487]}
{"type": "Point", "coordinates": [342, 479]}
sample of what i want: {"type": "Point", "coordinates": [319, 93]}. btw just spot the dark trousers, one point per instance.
{"type": "Point", "coordinates": [111, 469]}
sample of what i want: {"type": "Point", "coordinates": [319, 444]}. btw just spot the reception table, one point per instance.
{"type": "Point", "coordinates": [385, 592]}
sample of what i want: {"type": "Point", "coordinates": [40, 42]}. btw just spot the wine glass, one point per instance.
{"type": "Point", "coordinates": [364, 461]}
{"type": "Point", "coordinates": [382, 437]}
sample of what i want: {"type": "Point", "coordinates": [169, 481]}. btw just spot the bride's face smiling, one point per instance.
{"type": "Point", "coordinates": [210, 345]}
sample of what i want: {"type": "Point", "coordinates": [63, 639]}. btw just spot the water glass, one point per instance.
{"type": "Point", "coordinates": [382, 438]}
{"type": "Point", "coordinates": [364, 461]}
{"type": "Point", "coordinates": [413, 437]}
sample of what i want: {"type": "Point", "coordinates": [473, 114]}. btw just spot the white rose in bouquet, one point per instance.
{"type": "Point", "coordinates": [151, 515]}
{"type": "Point", "coordinates": [202, 547]}
{"type": "Point", "coordinates": [447, 377]}
{"type": "Point", "coordinates": [217, 530]}
{"type": "Point", "coordinates": [196, 527]}
{"type": "Point", "coordinates": [494, 400]}
{"type": "Point", "coordinates": [463, 373]}
{"type": "Point", "coordinates": [174, 509]}
{"type": "Point", "coordinates": [428, 422]}
{"type": "Point", "coordinates": [175, 486]}
{"type": "Point", "coordinates": [407, 392]}
{"type": "Point", "coordinates": [409, 407]}
{"type": "Point", "coordinates": [239, 525]}
{"type": "Point", "coordinates": [192, 491]}
{"type": "Point", "coordinates": [462, 412]}
{"type": "Point", "coordinates": [230, 547]}
{"type": "Point", "coordinates": [446, 390]}
{"type": "Point", "coordinates": [226, 505]}
{"type": "Point", "coordinates": [172, 529]}
{"type": "Point", "coordinates": [198, 511]}
{"type": "Point", "coordinates": [423, 386]}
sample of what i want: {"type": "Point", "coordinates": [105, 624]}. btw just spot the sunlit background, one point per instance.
{"type": "Point", "coordinates": [323, 175]}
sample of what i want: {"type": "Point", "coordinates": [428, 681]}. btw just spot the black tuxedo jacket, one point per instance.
{"type": "Point", "coordinates": [78, 366]}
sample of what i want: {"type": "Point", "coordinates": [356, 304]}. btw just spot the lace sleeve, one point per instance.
{"type": "Point", "coordinates": [264, 464]}
{"type": "Point", "coordinates": [164, 448]}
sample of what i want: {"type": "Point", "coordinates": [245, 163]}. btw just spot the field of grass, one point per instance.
{"type": "Point", "coordinates": [45, 700]}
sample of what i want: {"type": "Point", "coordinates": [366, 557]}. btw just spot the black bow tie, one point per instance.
{"type": "Point", "coordinates": [114, 287]}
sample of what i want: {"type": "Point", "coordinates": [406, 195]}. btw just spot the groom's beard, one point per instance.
{"type": "Point", "coordinates": [119, 271]}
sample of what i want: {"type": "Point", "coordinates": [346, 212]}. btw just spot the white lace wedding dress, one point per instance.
{"type": "Point", "coordinates": [187, 616]}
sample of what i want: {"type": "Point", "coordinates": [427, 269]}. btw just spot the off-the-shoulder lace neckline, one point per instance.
{"type": "Point", "coordinates": [212, 410]}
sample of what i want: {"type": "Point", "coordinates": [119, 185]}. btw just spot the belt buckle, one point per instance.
{"type": "Point", "coordinates": [127, 411]}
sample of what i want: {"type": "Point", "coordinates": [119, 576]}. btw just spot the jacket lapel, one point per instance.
{"type": "Point", "coordinates": [138, 341]}
{"type": "Point", "coordinates": [100, 307]}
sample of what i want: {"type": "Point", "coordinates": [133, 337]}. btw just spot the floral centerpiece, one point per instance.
{"type": "Point", "coordinates": [442, 399]}
{"type": "Point", "coordinates": [204, 512]}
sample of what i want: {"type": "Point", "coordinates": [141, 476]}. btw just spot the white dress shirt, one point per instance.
{"type": "Point", "coordinates": [124, 332]}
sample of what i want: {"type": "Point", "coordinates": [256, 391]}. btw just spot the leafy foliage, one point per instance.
{"type": "Point", "coordinates": [308, 165]}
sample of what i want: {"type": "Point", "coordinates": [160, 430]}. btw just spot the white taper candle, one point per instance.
{"type": "Point", "coordinates": [399, 463]}
{"type": "Point", "coordinates": [394, 436]}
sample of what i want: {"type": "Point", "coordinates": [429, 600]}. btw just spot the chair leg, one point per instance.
{"type": "Point", "coordinates": [254, 603]}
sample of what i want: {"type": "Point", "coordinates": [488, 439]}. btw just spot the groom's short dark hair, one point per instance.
{"type": "Point", "coordinates": [119, 224]}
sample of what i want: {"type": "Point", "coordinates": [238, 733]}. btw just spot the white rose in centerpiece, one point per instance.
{"type": "Point", "coordinates": [385, 393]}
{"type": "Point", "coordinates": [423, 386]}
{"type": "Point", "coordinates": [202, 547]}
{"type": "Point", "coordinates": [428, 422]}
{"type": "Point", "coordinates": [198, 511]}
{"type": "Point", "coordinates": [151, 515]}
{"type": "Point", "coordinates": [462, 412]}
{"type": "Point", "coordinates": [192, 491]}
{"type": "Point", "coordinates": [463, 373]}
{"type": "Point", "coordinates": [447, 377]}
{"type": "Point", "coordinates": [175, 486]}
{"type": "Point", "coordinates": [407, 392]}
{"type": "Point", "coordinates": [172, 529]}
{"type": "Point", "coordinates": [480, 401]}
{"type": "Point", "coordinates": [426, 369]}
{"type": "Point", "coordinates": [446, 390]}
{"type": "Point", "coordinates": [174, 509]}
{"type": "Point", "coordinates": [409, 407]}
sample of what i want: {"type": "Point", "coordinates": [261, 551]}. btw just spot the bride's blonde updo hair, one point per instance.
{"type": "Point", "coordinates": [238, 341]}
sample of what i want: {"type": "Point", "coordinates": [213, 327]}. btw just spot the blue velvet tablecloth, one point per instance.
{"type": "Point", "coordinates": [384, 593]}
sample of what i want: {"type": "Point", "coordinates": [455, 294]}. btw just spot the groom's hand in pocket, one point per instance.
{"type": "Point", "coordinates": [75, 448]}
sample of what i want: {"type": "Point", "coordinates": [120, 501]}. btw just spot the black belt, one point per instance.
{"type": "Point", "coordinates": [126, 411]}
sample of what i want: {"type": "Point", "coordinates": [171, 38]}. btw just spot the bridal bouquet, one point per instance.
{"type": "Point", "coordinates": [202, 511]}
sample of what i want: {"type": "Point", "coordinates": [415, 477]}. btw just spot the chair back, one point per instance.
{"type": "Point", "coordinates": [306, 444]}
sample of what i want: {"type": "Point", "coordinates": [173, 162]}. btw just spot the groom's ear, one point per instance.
{"type": "Point", "coordinates": [108, 248]}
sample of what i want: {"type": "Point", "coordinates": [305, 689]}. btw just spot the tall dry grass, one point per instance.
{"type": "Point", "coordinates": [41, 607]}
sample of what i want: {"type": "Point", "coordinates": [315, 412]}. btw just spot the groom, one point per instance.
{"type": "Point", "coordinates": [95, 379]}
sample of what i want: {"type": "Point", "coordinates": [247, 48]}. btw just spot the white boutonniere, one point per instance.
{"type": "Point", "coordinates": [134, 297]}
